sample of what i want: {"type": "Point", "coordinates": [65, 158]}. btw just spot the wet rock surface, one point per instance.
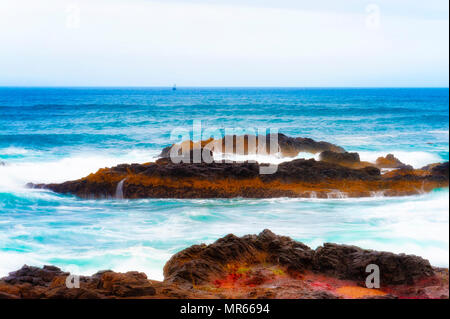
{"type": "Point", "coordinates": [390, 161]}
{"type": "Point", "coordinates": [297, 178]}
{"type": "Point", "coordinates": [199, 263]}
{"type": "Point", "coordinates": [251, 144]}
{"type": "Point", "coordinates": [350, 262]}
{"type": "Point", "coordinates": [345, 158]}
{"type": "Point", "coordinates": [34, 275]}
{"type": "Point", "coordinates": [440, 170]}
{"type": "Point", "coordinates": [252, 266]}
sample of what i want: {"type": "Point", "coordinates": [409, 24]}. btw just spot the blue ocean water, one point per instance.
{"type": "Point", "coordinates": [58, 134]}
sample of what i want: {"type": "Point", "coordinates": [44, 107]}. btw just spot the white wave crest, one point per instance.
{"type": "Point", "coordinates": [16, 175]}
{"type": "Point", "coordinates": [417, 159]}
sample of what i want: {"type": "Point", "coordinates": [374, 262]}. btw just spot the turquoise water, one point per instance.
{"type": "Point", "coordinates": [53, 135]}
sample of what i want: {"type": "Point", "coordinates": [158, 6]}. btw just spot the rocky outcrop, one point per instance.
{"type": "Point", "coordinates": [350, 262]}
{"type": "Point", "coordinates": [344, 159]}
{"type": "Point", "coordinates": [251, 144]}
{"type": "Point", "coordinates": [441, 169]}
{"type": "Point", "coordinates": [202, 263]}
{"type": "Point", "coordinates": [390, 161]}
{"type": "Point", "coordinates": [50, 282]}
{"type": "Point", "coordinates": [188, 170]}
{"type": "Point", "coordinates": [34, 275]}
{"type": "Point", "coordinates": [297, 178]}
{"type": "Point", "coordinates": [352, 160]}
{"type": "Point", "coordinates": [252, 266]}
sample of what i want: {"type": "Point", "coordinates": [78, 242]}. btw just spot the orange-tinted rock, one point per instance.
{"type": "Point", "coordinates": [251, 144]}
{"type": "Point", "coordinates": [130, 284]}
{"type": "Point", "coordinates": [390, 161]}
{"type": "Point", "coordinates": [297, 178]}
{"type": "Point", "coordinates": [201, 263]}
{"type": "Point", "coordinates": [345, 159]}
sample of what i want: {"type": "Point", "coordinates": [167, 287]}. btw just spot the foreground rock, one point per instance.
{"type": "Point", "coordinates": [253, 266]}
{"type": "Point", "coordinates": [297, 178]}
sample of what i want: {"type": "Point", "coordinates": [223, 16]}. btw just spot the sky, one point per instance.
{"type": "Point", "coordinates": [322, 43]}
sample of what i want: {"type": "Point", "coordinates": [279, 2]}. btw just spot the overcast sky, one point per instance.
{"type": "Point", "coordinates": [224, 43]}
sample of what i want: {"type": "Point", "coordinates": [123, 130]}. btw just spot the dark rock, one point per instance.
{"type": "Point", "coordinates": [339, 158]}
{"type": "Point", "coordinates": [199, 263]}
{"type": "Point", "coordinates": [104, 183]}
{"type": "Point", "coordinates": [130, 284]}
{"type": "Point", "coordinates": [198, 155]}
{"type": "Point", "coordinates": [350, 262]}
{"type": "Point", "coordinates": [441, 170]}
{"type": "Point", "coordinates": [74, 293]}
{"type": "Point", "coordinates": [372, 171]}
{"type": "Point", "coordinates": [288, 146]}
{"type": "Point", "coordinates": [295, 145]}
{"type": "Point", "coordinates": [34, 275]}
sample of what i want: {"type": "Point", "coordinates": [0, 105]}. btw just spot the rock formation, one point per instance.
{"type": "Point", "coordinates": [297, 178]}
{"type": "Point", "coordinates": [345, 159]}
{"type": "Point", "coordinates": [390, 161]}
{"type": "Point", "coordinates": [193, 173]}
{"type": "Point", "coordinates": [251, 144]}
{"type": "Point", "coordinates": [252, 266]}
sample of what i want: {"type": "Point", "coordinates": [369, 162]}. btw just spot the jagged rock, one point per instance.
{"type": "Point", "coordinates": [130, 284]}
{"type": "Point", "coordinates": [191, 173]}
{"type": "Point", "coordinates": [350, 262]}
{"type": "Point", "coordinates": [345, 158]}
{"type": "Point", "coordinates": [34, 275]}
{"type": "Point", "coordinates": [251, 144]}
{"type": "Point", "coordinates": [390, 161]}
{"type": "Point", "coordinates": [199, 263]}
{"type": "Point", "coordinates": [441, 170]}
{"type": "Point", "coordinates": [297, 178]}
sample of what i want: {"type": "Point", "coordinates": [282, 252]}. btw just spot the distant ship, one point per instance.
{"type": "Point", "coordinates": [174, 88]}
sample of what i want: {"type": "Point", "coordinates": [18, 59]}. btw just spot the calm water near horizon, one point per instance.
{"type": "Point", "coordinates": [58, 134]}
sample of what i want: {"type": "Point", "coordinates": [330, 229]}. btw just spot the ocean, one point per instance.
{"type": "Point", "coordinates": [58, 134]}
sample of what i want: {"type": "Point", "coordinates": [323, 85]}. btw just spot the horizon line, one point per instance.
{"type": "Point", "coordinates": [222, 86]}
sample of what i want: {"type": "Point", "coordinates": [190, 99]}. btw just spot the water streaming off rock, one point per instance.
{"type": "Point", "coordinates": [119, 189]}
